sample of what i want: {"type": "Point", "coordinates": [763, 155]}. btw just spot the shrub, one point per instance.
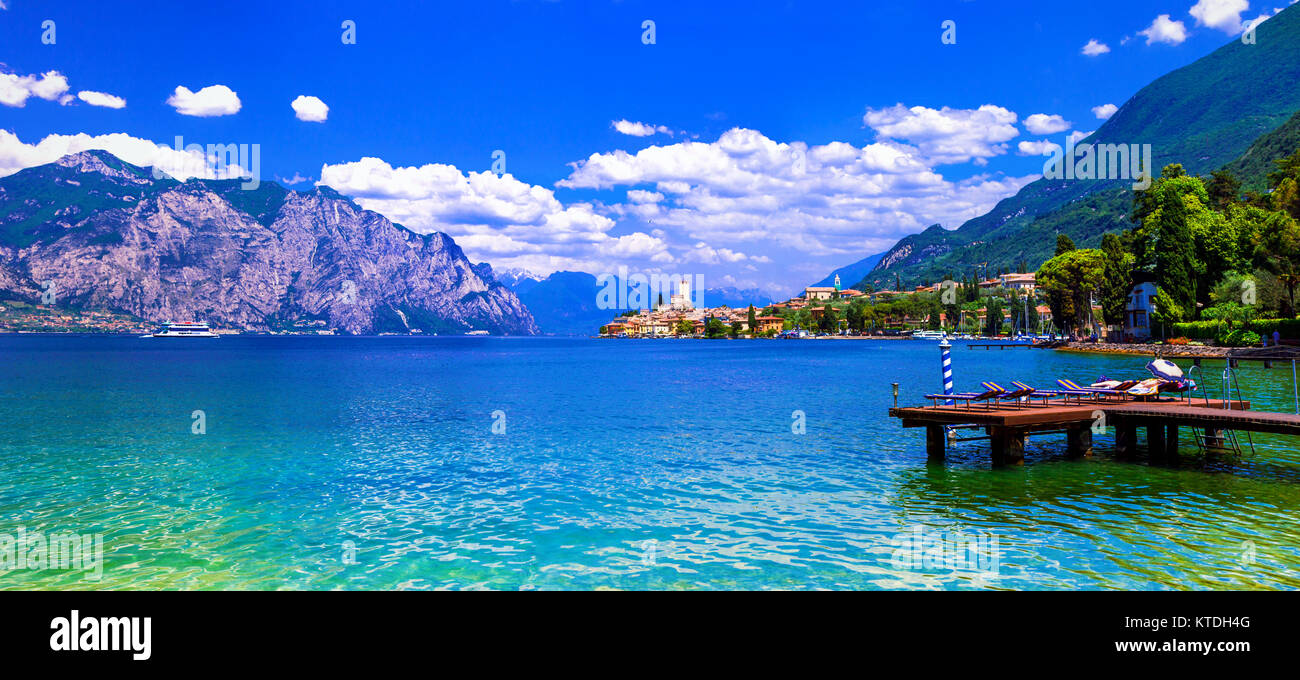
{"type": "Point", "coordinates": [1239, 337]}
{"type": "Point", "coordinates": [1211, 330]}
{"type": "Point", "coordinates": [1177, 341]}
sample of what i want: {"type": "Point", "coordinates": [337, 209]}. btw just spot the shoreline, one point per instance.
{"type": "Point", "coordinates": [1172, 351]}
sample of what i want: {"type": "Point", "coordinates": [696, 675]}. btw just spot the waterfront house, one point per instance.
{"type": "Point", "coordinates": [1138, 307]}
{"type": "Point", "coordinates": [1022, 282]}
{"type": "Point", "coordinates": [1044, 314]}
{"type": "Point", "coordinates": [770, 323]}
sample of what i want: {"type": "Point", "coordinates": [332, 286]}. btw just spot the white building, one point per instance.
{"type": "Point", "coordinates": [681, 300]}
{"type": "Point", "coordinates": [1138, 308]}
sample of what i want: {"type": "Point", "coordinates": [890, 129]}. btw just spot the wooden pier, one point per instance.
{"type": "Point", "coordinates": [1008, 424]}
{"type": "Point", "coordinates": [1000, 345]}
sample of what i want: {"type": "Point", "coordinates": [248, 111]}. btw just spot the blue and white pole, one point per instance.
{"type": "Point", "coordinates": [945, 352]}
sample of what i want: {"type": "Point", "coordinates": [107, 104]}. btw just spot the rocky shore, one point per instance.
{"type": "Point", "coordinates": [1185, 351]}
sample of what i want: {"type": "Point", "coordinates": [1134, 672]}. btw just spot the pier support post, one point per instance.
{"type": "Point", "coordinates": [934, 442]}
{"type": "Point", "coordinates": [1079, 441]}
{"type": "Point", "coordinates": [1214, 439]}
{"type": "Point", "coordinates": [1171, 441]}
{"type": "Point", "coordinates": [1156, 440]}
{"type": "Point", "coordinates": [1008, 446]}
{"type": "Point", "coordinates": [1125, 438]}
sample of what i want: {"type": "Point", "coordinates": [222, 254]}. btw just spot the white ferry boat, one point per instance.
{"type": "Point", "coordinates": [929, 335]}
{"type": "Point", "coordinates": [183, 329]}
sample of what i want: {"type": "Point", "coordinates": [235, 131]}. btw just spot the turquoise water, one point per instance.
{"type": "Point", "coordinates": [335, 462]}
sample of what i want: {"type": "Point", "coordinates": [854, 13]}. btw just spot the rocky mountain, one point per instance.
{"type": "Point", "coordinates": [99, 233]}
{"type": "Point", "coordinates": [1203, 115]}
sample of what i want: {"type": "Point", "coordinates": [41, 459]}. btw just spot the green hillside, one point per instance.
{"type": "Point", "coordinates": [1253, 166]}
{"type": "Point", "coordinates": [1204, 115]}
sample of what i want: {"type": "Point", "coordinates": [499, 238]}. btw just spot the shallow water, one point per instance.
{"type": "Point", "coordinates": [335, 462]}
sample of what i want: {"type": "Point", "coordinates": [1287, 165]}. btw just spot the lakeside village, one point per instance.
{"type": "Point", "coordinates": [838, 311]}
{"type": "Point", "coordinates": [1204, 264]}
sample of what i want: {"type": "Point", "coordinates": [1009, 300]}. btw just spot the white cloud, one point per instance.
{"type": "Point", "coordinates": [15, 89]}
{"type": "Point", "coordinates": [1162, 30]}
{"type": "Point", "coordinates": [642, 196]}
{"type": "Point", "coordinates": [213, 100]}
{"type": "Point", "coordinates": [296, 179]}
{"type": "Point", "coordinates": [495, 218]}
{"type": "Point", "coordinates": [1104, 111]}
{"type": "Point", "coordinates": [101, 99]}
{"type": "Point", "coordinates": [1224, 15]}
{"type": "Point", "coordinates": [1077, 135]}
{"type": "Point", "coordinates": [1043, 124]}
{"type": "Point", "coordinates": [636, 129]}
{"type": "Point", "coordinates": [16, 155]}
{"type": "Point", "coordinates": [744, 188]}
{"type": "Point", "coordinates": [1095, 48]}
{"type": "Point", "coordinates": [310, 109]}
{"type": "Point", "coordinates": [1253, 23]}
{"type": "Point", "coordinates": [947, 135]}
{"type": "Point", "coordinates": [1037, 148]}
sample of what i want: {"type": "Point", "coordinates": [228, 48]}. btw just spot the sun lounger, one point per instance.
{"type": "Point", "coordinates": [1018, 394]}
{"type": "Point", "coordinates": [1146, 388]}
{"type": "Point", "coordinates": [1113, 384]}
{"type": "Point", "coordinates": [1098, 392]}
{"type": "Point", "coordinates": [991, 391]}
{"type": "Point", "coordinates": [1048, 394]}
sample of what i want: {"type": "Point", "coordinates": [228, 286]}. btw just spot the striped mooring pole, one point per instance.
{"type": "Point", "coordinates": [945, 353]}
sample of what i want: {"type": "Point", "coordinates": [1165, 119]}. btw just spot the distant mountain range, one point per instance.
{"type": "Point", "coordinates": [565, 303]}
{"type": "Point", "coordinates": [1204, 115]}
{"type": "Point", "coordinates": [851, 274]}
{"type": "Point", "coordinates": [94, 232]}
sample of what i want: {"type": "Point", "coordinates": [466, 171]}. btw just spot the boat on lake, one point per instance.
{"type": "Point", "coordinates": [183, 329]}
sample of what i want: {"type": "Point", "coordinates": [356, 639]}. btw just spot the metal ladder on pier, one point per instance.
{"type": "Point", "coordinates": [1227, 439]}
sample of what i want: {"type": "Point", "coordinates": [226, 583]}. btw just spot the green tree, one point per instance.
{"type": "Point", "coordinates": [854, 318]}
{"type": "Point", "coordinates": [685, 327]}
{"type": "Point", "coordinates": [1069, 280]}
{"type": "Point", "coordinates": [752, 320]}
{"type": "Point", "coordinates": [1064, 244]}
{"type": "Point", "coordinates": [1166, 311]}
{"type": "Point", "coordinates": [993, 317]}
{"type": "Point", "coordinates": [715, 329]}
{"type": "Point", "coordinates": [828, 322]}
{"type": "Point", "coordinates": [1164, 245]}
{"type": "Point", "coordinates": [1224, 189]}
{"type": "Point", "coordinates": [735, 329]}
{"type": "Point", "coordinates": [1278, 252]}
{"type": "Point", "coordinates": [1117, 279]}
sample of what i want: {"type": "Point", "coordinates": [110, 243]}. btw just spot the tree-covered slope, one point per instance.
{"type": "Point", "coordinates": [1203, 115]}
{"type": "Point", "coordinates": [1253, 166]}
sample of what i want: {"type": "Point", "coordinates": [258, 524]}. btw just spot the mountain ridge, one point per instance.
{"type": "Point", "coordinates": [102, 233]}
{"type": "Point", "coordinates": [1203, 115]}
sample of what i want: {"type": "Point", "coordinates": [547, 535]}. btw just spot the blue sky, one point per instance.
{"type": "Point", "coordinates": [778, 148]}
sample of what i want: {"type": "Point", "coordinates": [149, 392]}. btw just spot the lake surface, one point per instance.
{"type": "Point", "coordinates": [378, 463]}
